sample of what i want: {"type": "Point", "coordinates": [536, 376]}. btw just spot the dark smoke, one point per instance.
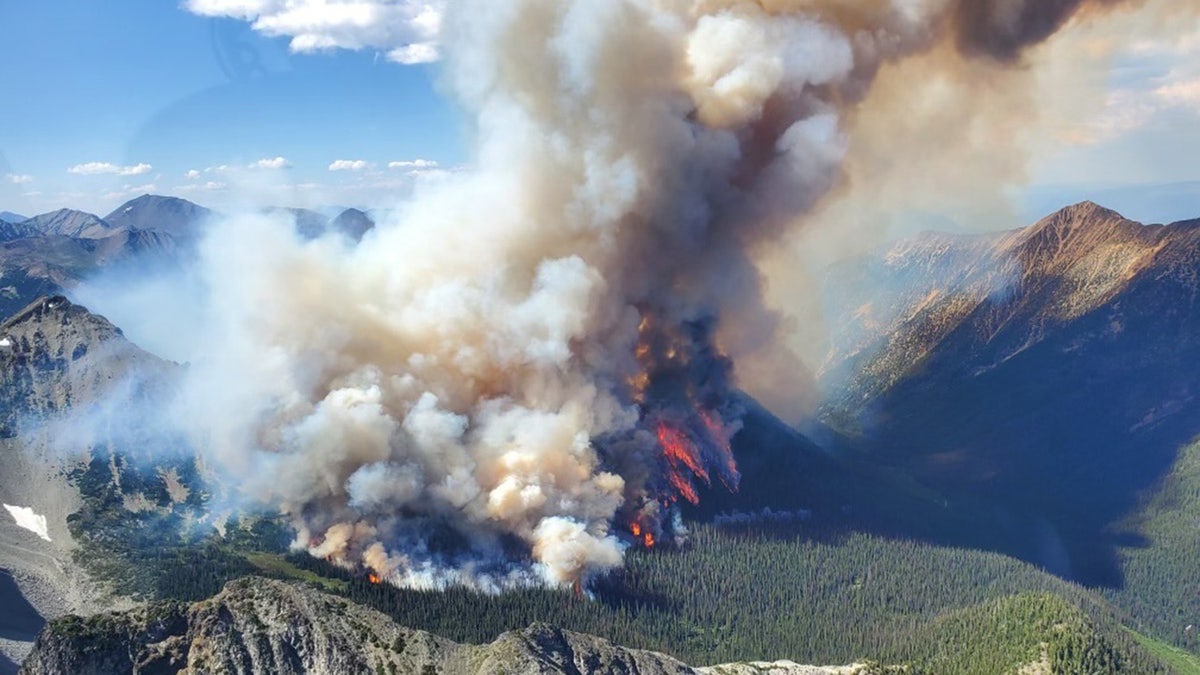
{"type": "Point", "coordinates": [1003, 29]}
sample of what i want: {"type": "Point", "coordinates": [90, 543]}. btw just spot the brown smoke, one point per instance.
{"type": "Point", "coordinates": [539, 352]}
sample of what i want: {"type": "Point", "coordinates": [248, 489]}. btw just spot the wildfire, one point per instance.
{"type": "Point", "coordinates": [374, 578]}
{"type": "Point", "coordinates": [681, 381]}
{"type": "Point", "coordinates": [644, 536]}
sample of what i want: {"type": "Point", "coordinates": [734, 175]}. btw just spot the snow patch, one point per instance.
{"type": "Point", "coordinates": [5, 342]}
{"type": "Point", "coordinates": [29, 520]}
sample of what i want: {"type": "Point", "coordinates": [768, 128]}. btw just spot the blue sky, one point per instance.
{"type": "Point", "coordinates": [227, 101]}
{"type": "Point", "coordinates": [137, 93]}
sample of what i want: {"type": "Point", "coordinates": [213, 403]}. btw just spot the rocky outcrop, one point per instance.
{"type": "Point", "coordinates": [261, 626]}
{"type": "Point", "coordinates": [55, 355]}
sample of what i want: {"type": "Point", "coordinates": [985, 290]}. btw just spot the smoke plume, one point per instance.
{"type": "Point", "coordinates": [515, 379]}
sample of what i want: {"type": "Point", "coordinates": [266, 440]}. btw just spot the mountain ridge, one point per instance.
{"type": "Point", "coordinates": [1048, 373]}
{"type": "Point", "coordinates": [257, 625]}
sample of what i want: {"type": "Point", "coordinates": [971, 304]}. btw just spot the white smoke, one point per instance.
{"type": "Point", "coordinates": [458, 384]}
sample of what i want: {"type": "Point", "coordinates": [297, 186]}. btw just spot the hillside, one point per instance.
{"type": "Point", "coordinates": [1045, 374]}
{"type": "Point", "coordinates": [260, 626]}
{"type": "Point", "coordinates": [56, 356]}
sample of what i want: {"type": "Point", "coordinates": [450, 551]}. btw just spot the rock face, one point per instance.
{"type": "Point", "coordinates": [55, 355]}
{"type": "Point", "coordinates": [261, 626]}
{"type": "Point", "coordinates": [1049, 371]}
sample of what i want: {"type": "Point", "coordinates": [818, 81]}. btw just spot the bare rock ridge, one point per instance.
{"type": "Point", "coordinates": [260, 626]}
{"type": "Point", "coordinates": [55, 354]}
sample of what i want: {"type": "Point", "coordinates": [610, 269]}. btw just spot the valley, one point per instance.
{"type": "Point", "coordinates": [920, 536]}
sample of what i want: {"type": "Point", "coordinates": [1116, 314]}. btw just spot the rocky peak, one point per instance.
{"type": "Point", "coordinates": [260, 626]}
{"type": "Point", "coordinates": [55, 354]}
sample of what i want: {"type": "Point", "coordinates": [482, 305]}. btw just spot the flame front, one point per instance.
{"type": "Point", "coordinates": [683, 391]}
{"type": "Point", "coordinates": [374, 578]}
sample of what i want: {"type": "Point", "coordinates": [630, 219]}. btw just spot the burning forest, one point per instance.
{"type": "Point", "coordinates": [533, 364]}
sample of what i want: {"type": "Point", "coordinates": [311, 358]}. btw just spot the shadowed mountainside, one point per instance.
{"type": "Point", "coordinates": [1048, 373]}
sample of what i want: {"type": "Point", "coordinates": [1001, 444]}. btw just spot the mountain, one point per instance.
{"type": "Point", "coordinates": [62, 369]}
{"type": "Point", "coordinates": [11, 229]}
{"type": "Point", "coordinates": [11, 217]}
{"type": "Point", "coordinates": [176, 217]}
{"type": "Point", "coordinates": [310, 224]}
{"type": "Point", "coordinates": [1046, 375]}
{"type": "Point", "coordinates": [353, 223]}
{"type": "Point", "coordinates": [55, 355]}
{"type": "Point", "coordinates": [257, 625]}
{"type": "Point", "coordinates": [71, 223]}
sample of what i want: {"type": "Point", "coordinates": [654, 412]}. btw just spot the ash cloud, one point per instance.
{"type": "Point", "coordinates": [536, 354]}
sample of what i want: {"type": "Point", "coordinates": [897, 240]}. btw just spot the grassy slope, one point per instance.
{"type": "Point", "coordinates": [1181, 662]}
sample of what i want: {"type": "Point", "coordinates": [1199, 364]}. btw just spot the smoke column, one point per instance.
{"type": "Point", "coordinates": [512, 381]}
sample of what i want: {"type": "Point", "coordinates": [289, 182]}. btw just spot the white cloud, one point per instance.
{"type": "Point", "coordinates": [132, 191]}
{"type": "Point", "coordinates": [349, 165]}
{"type": "Point", "coordinates": [98, 168]}
{"type": "Point", "coordinates": [417, 52]}
{"type": "Point", "coordinates": [192, 174]}
{"type": "Point", "coordinates": [207, 186]}
{"type": "Point", "coordinates": [414, 164]}
{"type": "Point", "coordinates": [407, 30]}
{"type": "Point", "coordinates": [19, 178]}
{"type": "Point", "coordinates": [1182, 92]}
{"type": "Point", "coordinates": [266, 163]}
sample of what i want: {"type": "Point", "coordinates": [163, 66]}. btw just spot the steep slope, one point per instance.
{"type": "Point", "coordinates": [1162, 581]}
{"type": "Point", "coordinates": [171, 216]}
{"type": "Point", "coordinates": [1047, 375]}
{"type": "Point", "coordinates": [32, 265]}
{"type": "Point", "coordinates": [71, 223]}
{"type": "Point", "coordinates": [258, 625]}
{"type": "Point", "coordinates": [10, 230]}
{"type": "Point", "coordinates": [353, 223]}
{"type": "Point", "coordinates": [55, 355]}
{"type": "Point", "coordinates": [64, 373]}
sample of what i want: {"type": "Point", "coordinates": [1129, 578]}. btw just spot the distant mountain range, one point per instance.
{"type": "Point", "coordinates": [51, 252]}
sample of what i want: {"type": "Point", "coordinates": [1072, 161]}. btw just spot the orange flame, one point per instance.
{"type": "Point", "coordinates": [374, 578]}
{"type": "Point", "coordinates": [640, 534]}
{"type": "Point", "coordinates": [681, 454]}
{"type": "Point", "coordinates": [719, 436]}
